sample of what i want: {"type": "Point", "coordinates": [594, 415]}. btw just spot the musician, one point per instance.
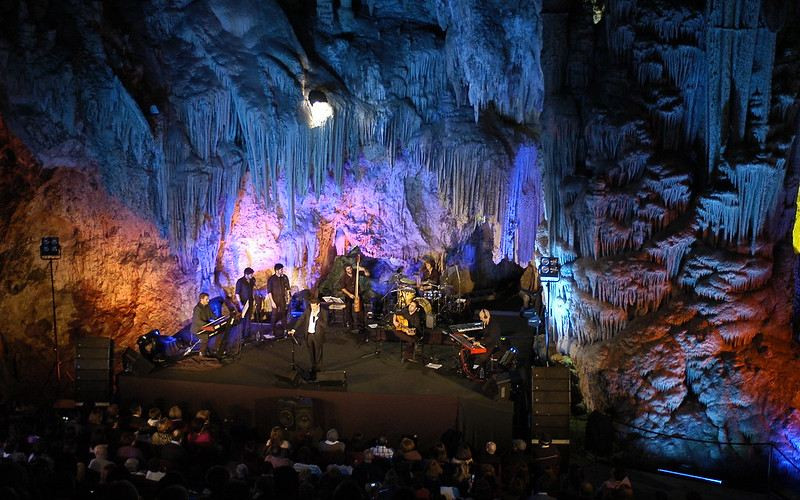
{"type": "Point", "coordinates": [201, 315]}
{"type": "Point", "coordinates": [312, 326]}
{"type": "Point", "coordinates": [530, 288]}
{"type": "Point", "coordinates": [408, 328]}
{"type": "Point", "coordinates": [490, 335]}
{"type": "Point", "coordinates": [278, 291]}
{"type": "Point", "coordinates": [430, 275]}
{"type": "Point", "coordinates": [347, 285]}
{"type": "Point", "coordinates": [244, 295]}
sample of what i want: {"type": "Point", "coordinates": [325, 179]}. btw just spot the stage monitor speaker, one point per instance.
{"type": "Point", "coordinates": [550, 401]}
{"type": "Point", "coordinates": [93, 368]}
{"type": "Point", "coordinates": [332, 378]}
{"type": "Point", "coordinates": [136, 364]}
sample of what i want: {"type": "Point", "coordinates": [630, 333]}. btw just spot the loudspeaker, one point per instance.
{"type": "Point", "coordinates": [550, 402]}
{"type": "Point", "coordinates": [93, 368]}
{"type": "Point", "coordinates": [136, 364]}
{"type": "Point", "coordinates": [332, 377]}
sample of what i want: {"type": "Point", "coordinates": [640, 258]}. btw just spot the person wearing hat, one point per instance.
{"type": "Point", "coordinates": [244, 298]}
{"type": "Point", "coordinates": [278, 290]}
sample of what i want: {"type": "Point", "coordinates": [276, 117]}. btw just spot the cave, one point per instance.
{"type": "Point", "coordinates": [650, 148]}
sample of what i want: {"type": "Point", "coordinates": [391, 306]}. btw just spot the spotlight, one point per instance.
{"type": "Point", "coordinates": [321, 110]}
{"type": "Point", "coordinates": [50, 249]}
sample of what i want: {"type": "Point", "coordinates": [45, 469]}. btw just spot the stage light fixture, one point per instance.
{"type": "Point", "coordinates": [321, 109]}
{"type": "Point", "coordinates": [50, 249]}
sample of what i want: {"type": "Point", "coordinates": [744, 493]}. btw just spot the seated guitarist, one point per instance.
{"type": "Point", "coordinates": [408, 328]}
{"type": "Point", "coordinates": [202, 315]}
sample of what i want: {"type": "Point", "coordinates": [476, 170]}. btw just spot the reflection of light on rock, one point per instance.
{"type": "Point", "coordinates": [320, 112]}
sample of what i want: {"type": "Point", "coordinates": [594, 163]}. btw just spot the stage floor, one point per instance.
{"type": "Point", "coordinates": [379, 385]}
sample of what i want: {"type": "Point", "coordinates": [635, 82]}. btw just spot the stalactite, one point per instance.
{"type": "Point", "coordinates": [473, 58]}
{"type": "Point", "coordinates": [741, 215]}
{"type": "Point", "coordinates": [523, 208]}
{"type": "Point", "coordinates": [671, 251]}
{"type": "Point", "coordinates": [635, 286]}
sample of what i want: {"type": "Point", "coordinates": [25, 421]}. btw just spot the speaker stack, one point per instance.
{"type": "Point", "coordinates": [93, 369]}
{"type": "Point", "coordinates": [550, 402]}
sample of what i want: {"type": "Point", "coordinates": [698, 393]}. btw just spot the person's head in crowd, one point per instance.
{"type": "Point", "coordinates": [433, 469]}
{"type": "Point", "coordinates": [276, 434]}
{"type": "Point", "coordinates": [175, 413]}
{"type": "Point", "coordinates": [586, 490]}
{"type": "Point", "coordinates": [95, 417]}
{"type": "Point", "coordinates": [518, 445]}
{"type": "Point", "coordinates": [487, 470]}
{"type": "Point", "coordinates": [196, 425]}
{"type": "Point", "coordinates": [204, 414]}
{"type": "Point", "coordinates": [153, 416]}
{"type": "Point", "coordinates": [491, 447]}
{"type": "Point", "coordinates": [136, 410]}
{"type": "Point", "coordinates": [177, 435]}
{"type": "Point", "coordinates": [368, 456]}
{"type": "Point", "coordinates": [241, 472]}
{"type": "Point", "coordinates": [100, 451]}
{"type": "Point", "coordinates": [407, 444]}
{"type": "Point", "coordinates": [164, 425]}
{"type": "Point", "coordinates": [463, 454]}
{"type": "Point", "coordinates": [132, 465]}
{"type": "Point", "coordinates": [332, 436]}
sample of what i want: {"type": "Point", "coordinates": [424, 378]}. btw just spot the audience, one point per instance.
{"type": "Point", "coordinates": [105, 453]}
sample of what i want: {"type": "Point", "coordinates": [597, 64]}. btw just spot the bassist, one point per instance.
{"type": "Point", "coordinates": [354, 316]}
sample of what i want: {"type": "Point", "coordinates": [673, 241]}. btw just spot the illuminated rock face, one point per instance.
{"type": "Point", "coordinates": [189, 124]}
{"type": "Point", "coordinates": [670, 177]}
{"type": "Point", "coordinates": [169, 147]}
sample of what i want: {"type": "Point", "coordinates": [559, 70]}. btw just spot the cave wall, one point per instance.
{"type": "Point", "coordinates": [671, 167]}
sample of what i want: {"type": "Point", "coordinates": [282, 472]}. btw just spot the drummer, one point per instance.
{"type": "Point", "coordinates": [429, 275]}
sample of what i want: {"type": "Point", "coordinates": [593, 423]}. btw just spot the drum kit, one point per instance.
{"type": "Point", "coordinates": [438, 301]}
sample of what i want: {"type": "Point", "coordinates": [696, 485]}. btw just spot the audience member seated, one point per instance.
{"type": "Point", "coordinates": [381, 449]}
{"type": "Point", "coordinates": [618, 485]}
{"type": "Point", "coordinates": [332, 451]}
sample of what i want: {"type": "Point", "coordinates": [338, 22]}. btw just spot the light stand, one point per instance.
{"type": "Point", "coordinates": [50, 250]}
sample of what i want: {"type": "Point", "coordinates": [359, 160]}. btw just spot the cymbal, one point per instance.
{"type": "Point", "coordinates": [405, 281]}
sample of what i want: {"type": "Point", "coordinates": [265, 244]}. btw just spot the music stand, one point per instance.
{"type": "Point", "coordinates": [245, 324]}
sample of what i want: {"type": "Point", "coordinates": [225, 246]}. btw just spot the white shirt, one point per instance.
{"type": "Point", "coordinates": [312, 323]}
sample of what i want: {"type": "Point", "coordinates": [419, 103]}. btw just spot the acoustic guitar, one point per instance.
{"type": "Point", "coordinates": [400, 323]}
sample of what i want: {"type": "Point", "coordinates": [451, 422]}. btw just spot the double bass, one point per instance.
{"type": "Point", "coordinates": [357, 298]}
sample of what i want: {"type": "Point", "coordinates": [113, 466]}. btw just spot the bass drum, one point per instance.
{"type": "Point", "coordinates": [425, 305]}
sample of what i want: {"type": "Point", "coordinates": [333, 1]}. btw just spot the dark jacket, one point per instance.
{"type": "Point", "coordinates": [301, 327]}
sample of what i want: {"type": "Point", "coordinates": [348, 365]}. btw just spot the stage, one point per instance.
{"type": "Point", "coordinates": [382, 395]}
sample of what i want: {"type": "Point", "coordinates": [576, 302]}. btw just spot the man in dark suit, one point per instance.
{"type": "Point", "coordinates": [312, 326]}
